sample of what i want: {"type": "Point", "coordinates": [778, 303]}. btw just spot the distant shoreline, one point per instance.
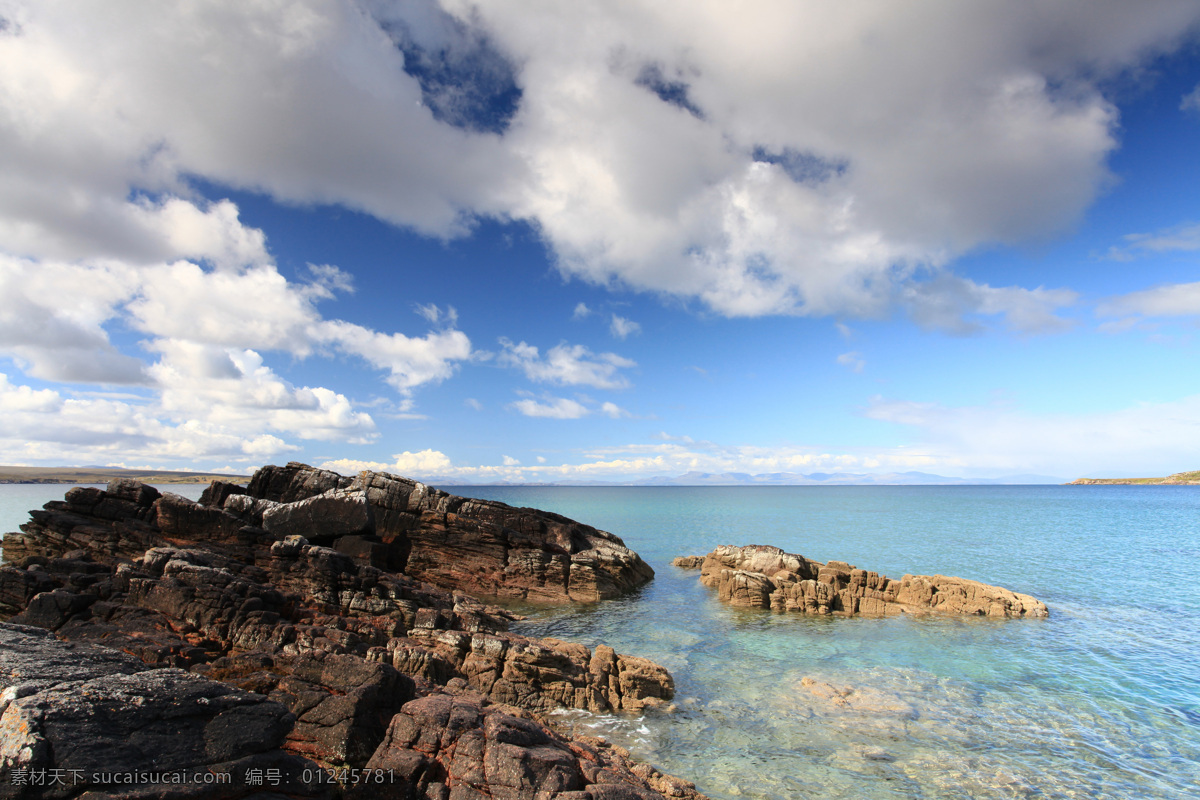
{"type": "Point", "coordinates": [34, 475]}
{"type": "Point", "coordinates": [1178, 479]}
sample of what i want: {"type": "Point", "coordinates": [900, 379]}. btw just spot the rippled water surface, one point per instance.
{"type": "Point", "coordinates": [1101, 700]}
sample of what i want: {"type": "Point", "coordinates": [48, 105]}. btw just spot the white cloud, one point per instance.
{"type": "Point", "coordinates": [622, 328]}
{"type": "Point", "coordinates": [631, 461]}
{"type": "Point", "coordinates": [567, 365]}
{"type": "Point", "coordinates": [581, 311]}
{"type": "Point", "coordinates": [613, 411]}
{"type": "Point", "coordinates": [433, 314]}
{"type": "Point", "coordinates": [471, 402]}
{"type": "Point", "coordinates": [421, 463]}
{"type": "Point", "coordinates": [955, 305]}
{"type": "Point", "coordinates": [1191, 100]}
{"type": "Point", "coordinates": [777, 158]}
{"type": "Point", "coordinates": [410, 361]}
{"type": "Point", "coordinates": [509, 461]}
{"type": "Point", "coordinates": [209, 330]}
{"type": "Point", "coordinates": [1179, 239]}
{"type": "Point", "coordinates": [553, 408]}
{"type": "Point", "coordinates": [853, 360]}
{"type": "Point", "coordinates": [40, 426]}
{"type": "Point", "coordinates": [1175, 300]}
{"type": "Point", "coordinates": [986, 441]}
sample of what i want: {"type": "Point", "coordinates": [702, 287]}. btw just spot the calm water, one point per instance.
{"type": "Point", "coordinates": [1101, 700]}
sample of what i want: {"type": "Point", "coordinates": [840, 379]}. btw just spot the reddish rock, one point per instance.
{"type": "Point", "coordinates": [336, 637]}
{"type": "Point", "coordinates": [444, 746]}
{"type": "Point", "coordinates": [761, 576]}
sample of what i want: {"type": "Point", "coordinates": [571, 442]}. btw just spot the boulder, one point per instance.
{"type": "Point", "coordinates": [77, 719]}
{"type": "Point", "coordinates": [760, 576]}
{"type": "Point", "coordinates": [446, 746]}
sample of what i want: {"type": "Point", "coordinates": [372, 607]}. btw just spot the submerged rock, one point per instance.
{"type": "Point", "coordinates": [760, 576]}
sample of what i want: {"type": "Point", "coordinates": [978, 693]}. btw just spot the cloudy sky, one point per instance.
{"type": "Point", "coordinates": [601, 239]}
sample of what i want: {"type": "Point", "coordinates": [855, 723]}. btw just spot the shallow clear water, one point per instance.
{"type": "Point", "coordinates": [1101, 700]}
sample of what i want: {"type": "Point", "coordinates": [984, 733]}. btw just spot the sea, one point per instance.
{"type": "Point", "coordinates": [1100, 700]}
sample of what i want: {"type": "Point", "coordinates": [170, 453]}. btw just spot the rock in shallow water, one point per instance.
{"type": "Point", "coordinates": [760, 576]}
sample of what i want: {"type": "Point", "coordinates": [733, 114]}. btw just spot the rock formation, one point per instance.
{"type": "Point", "coordinates": [314, 614]}
{"type": "Point", "coordinates": [760, 576]}
{"type": "Point", "coordinates": [481, 546]}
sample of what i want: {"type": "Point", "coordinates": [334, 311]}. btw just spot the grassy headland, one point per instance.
{"type": "Point", "coordinates": [1178, 479]}
{"type": "Point", "coordinates": [106, 474]}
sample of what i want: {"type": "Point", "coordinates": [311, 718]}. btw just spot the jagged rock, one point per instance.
{"type": "Point", "coordinates": [93, 718]}
{"type": "Point", "coordinates": [444, 746]}
{"type": "Point", "coordinates": [687, 562]}
{"type": "Point", "coordinates": [480, 546]}
{"type": "Point", "coordinates": [337, 635]}
{"type": "Point", "coordinates": [483, 547]}
{"type": "Point", "coordinates": [761, 576]}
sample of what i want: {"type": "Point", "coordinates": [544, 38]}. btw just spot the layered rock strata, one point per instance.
{"type": "Point", "coordinates": [318, 603]}
{"type": "Point", "coordinates": [481, 546]}
{"type": "Point", "coordinates": [760, 576]}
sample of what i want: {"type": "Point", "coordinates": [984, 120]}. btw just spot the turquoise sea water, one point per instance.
{"type": "Point", "coordinates": [1101, 700]}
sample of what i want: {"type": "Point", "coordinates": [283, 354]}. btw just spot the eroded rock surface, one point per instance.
{"type": "Point", "coordinates": [760, 576]}
{"type": "Point", "coordinates": [444, 746]}
{"type": "Point", "coordinates": [76, 718]}
{"type": "Point", "coordinates": [480, 546]}
{"type": "Point", "coordinates": [309, 610]}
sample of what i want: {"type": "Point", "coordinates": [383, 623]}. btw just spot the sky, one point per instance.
{"type": "Point", "coordinates": [601, 240]}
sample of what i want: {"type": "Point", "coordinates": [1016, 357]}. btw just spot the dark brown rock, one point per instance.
{"type": "Point", "coordinates": [444, 746]}
{"type": "Point", "coordinates": [307, 652]}
{"type": "Point", "coordinates": [94, 717]}
{"type": "Point", "coordinates": [761, 576]}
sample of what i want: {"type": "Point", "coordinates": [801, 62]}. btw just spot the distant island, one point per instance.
{"type": "Point", "coordinates": [106, 474]}
{"type": "Point", "coordinates": [1178, 479]}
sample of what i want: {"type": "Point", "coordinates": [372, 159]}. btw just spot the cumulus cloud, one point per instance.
{"type": "Point", "coordinates": [39, 425]}
{"type": "Point", "coordinates": [567, 365]}
{"type": "Point", "coordinates": [581, 311]}
{"type": "Point", "coordinates": [418, 464]}
{"type": "Point", "coordinates": [622, 328]}
{"type": "Point", "coordinates": [209, 325]}
{"type": "Point", "coordinates": [779, 158]}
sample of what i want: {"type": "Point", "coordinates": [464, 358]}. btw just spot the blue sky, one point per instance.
{"type": "Point", "coordinates": [602, 240]}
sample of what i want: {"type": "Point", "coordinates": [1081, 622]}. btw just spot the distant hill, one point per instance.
{"type": "Point", "coordinates": [1178, 479]}
{"type": "Point", "coordinates": [106, 474]}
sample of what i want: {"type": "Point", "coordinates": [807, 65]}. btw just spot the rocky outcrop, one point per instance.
{"type": "Point", "coordinates": [479, 546]}
{"type": "Point", "coordinates": [309, 648]}
{"type": "Point", "coordinates": [760, 576]}
{"type": "Point", "coordinates": [453, 746]}
{"type": "Point", "coordinates": [77, 719]}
